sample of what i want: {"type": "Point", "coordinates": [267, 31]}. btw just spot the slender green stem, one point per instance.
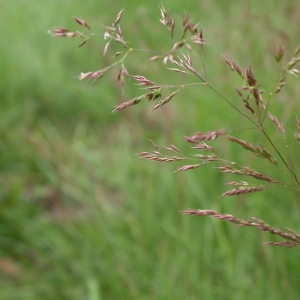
{"type": "Point", "coordinates": [232, 105]}
{"type": "Point", "coordinates": [281, 157]}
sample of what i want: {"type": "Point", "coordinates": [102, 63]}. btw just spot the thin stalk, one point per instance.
{"type": "Point", "coordinates": [281, 157]}
{"type": "Point", "coordinates": [224, 98]}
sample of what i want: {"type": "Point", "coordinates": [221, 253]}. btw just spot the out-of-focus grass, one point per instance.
{"type": "Point", "coordinates": [80, 216]}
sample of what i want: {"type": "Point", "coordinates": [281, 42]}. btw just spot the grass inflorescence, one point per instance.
{"type": "Point", "coordinates": [179, 59]}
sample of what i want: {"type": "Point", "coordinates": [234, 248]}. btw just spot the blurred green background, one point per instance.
{"type": "Point", "coordinates": [81, 217]}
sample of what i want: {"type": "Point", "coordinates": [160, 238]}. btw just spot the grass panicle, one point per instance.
{"type": "Point", "coordinates": [181, 56]}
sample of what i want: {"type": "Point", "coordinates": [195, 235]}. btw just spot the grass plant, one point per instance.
{"type": "Point", "coordinates": [81, 216]}
{"type": "Point", "coordinates": [179, 59]}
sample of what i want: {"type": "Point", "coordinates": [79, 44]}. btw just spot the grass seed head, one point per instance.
{"type": "Point", "coordinates": [82, 23]}
{"type": "Point", "coordinates": [243, 191]}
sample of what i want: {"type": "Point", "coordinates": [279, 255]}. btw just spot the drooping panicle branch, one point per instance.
{"type": "Point", "coordinates": [292, 238]}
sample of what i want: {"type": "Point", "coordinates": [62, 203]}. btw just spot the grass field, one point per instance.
{"type": "Point", "coordinates": [81, 217]}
